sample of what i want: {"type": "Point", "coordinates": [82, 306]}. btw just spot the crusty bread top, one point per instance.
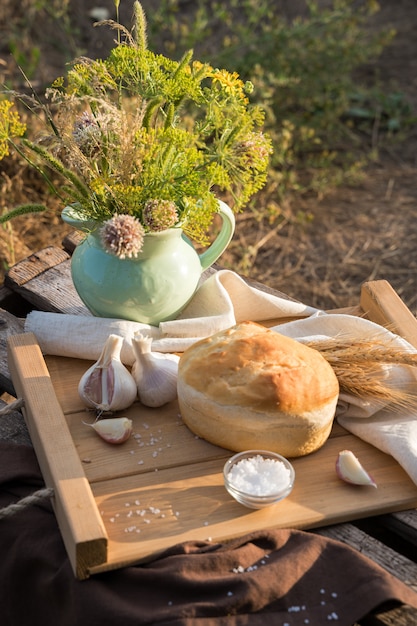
{"type": "Point", "coordinates": [251, 366]}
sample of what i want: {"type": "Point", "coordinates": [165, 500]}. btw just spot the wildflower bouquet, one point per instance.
{"type": "Point", "coordinates": [144, 143]}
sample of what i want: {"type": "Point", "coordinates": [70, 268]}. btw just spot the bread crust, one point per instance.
{"type": "Point", "coordinates": [250, 387]}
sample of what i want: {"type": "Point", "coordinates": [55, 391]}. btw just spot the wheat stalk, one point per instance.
{"type": "Point", "coordinates": [361, 369]}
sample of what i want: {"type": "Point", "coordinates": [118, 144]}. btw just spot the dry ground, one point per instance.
{"type": "Point", "coordinates": [358, 233]}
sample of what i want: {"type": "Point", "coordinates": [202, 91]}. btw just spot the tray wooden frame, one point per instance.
{"type": "Point", "coordinates": [114, 510]}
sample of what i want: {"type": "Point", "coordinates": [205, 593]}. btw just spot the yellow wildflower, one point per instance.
{"type": "Point", "coordinates": [10, 126]}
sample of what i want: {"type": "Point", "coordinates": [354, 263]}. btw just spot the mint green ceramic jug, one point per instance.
{"type": "Point", "coordinates": [151, 288]}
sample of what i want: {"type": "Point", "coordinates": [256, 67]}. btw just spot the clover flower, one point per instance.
{"type": "Point", "coordinates": [160, 214]}
{"type": "Point", "coordinates": [122, 235]}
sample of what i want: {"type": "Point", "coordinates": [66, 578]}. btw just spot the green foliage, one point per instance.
{"type": "Point", "coordinates": [138, 127]}
{"type": "Point", "coordinates": [303, 72]}
{"type": "Point", "coordinates": [29, 23]}
{"type": "Point", "coordinates": [27, 60]}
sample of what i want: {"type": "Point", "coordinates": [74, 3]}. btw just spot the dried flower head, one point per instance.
{"type": "Point", "coordinates": [160, 214]}
{"type": "Point", "coordinates": [86, 134]}
{"type": "Point", "coordinates": [122, 235]}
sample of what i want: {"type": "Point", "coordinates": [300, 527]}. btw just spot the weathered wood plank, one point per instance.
{"type": "Point", "coordinates": [403, 525]}
{"type": "Point", "coordinates": [52, 290]}
{"type": "Point", "coordinates": [34, 265]}
{"type": "Point", "coordinates": [9, 325]}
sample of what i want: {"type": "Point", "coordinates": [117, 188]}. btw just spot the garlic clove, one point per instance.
{"type": "Point", "coordinates": [114, 430]}
{"type": "Point", "coordinates": [108, 385]}
{"type": "Point", "coordinates": [155, 373]}
{"type": "Point", "coordinates": [349, 469]}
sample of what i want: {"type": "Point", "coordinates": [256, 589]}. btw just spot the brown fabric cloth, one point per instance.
{"type": "Point", "coordinates": [281, 577]}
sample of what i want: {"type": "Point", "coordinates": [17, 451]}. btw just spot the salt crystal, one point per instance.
{"type": "Point", "coordinates": [258, 476]}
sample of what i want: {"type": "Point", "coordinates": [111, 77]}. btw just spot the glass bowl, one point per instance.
{"type": "Point", "coordinates": [258, 478]}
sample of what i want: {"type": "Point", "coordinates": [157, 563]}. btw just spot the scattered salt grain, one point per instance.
{"type": "Point", "coordinates": [259, 476]}
{"type": "Point", "coordinates": [333, 617]}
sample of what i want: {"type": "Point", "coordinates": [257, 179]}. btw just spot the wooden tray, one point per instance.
{"type": "Point", "coordinates": [120, 505]}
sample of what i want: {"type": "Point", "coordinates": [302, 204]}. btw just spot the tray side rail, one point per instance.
{"type": "Point", "coordinates": [81, 526]}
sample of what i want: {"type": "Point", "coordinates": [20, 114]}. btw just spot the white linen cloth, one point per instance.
{"type": "Point", "coordinates": [223, 300]}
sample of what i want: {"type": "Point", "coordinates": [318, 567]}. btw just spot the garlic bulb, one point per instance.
{"type": "Point", "coordinates": [155, 373]}
{"type": "Point", "coordinates": [108, 385]}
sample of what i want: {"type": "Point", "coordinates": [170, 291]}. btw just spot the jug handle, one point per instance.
{"type": "Point", "coordinates": [219, 245]}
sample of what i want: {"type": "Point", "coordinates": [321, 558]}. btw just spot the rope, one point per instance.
{"type": "Point", "coordinates": [13, 406]}
{"type": "Point", "coordinates": [35, 498]}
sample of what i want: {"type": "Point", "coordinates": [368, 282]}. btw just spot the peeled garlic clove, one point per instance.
{"type": "Point", "coordinates": [113, 430]}
{"type": "Point", "coordinates": [155, 373]}
{"type": "Point", "coordinates": [349, 469]}
{"type": "Point", "coordinates": [108, 385]}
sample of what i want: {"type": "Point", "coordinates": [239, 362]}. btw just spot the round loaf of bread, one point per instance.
{"type": "Point", "coordinates": [251, 388]}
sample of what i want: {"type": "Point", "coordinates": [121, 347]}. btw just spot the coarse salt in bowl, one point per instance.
{"type": "Point", "coordinates": [257, 478]}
